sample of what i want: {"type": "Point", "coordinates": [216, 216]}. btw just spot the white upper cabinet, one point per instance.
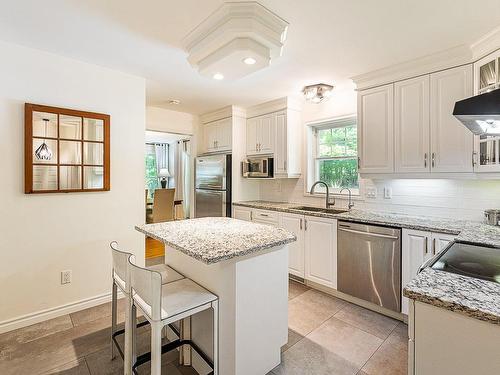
{"type": "Point", "coordinates": [252, 136]}
{"type": "Point", "coordinates": [260, 135]}
{"type": "Point", "coordinates": [411, 125]}
{"type": "Point", "coordinates": [217, 135]}
{"type": "Point", "coordinates": [451, 142]}
{"type": "Point", "coordinates": [376, 130]}
{"type": "Point", "coordinates": [486, 73]}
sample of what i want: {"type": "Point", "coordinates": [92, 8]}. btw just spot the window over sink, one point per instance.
{"type": "Point", "coordinates": [333, 154]}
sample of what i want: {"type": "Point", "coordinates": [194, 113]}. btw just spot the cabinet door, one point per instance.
{"type": "Point", "coordinates": [252, 135]}
{"type": "Point", "coordinates": [451, 142]}
{"type": "Point", "coordinates": [242, 213]}
{"type": "Point", "coordinates": [415, 251]}
{"type": "Point", "coordinates": [411, 125]}
{"type": "Point", "coordinates": [376, 130]}
{"type": "Point", "coordinates": [280, 155]}
{"type": "Point", "coordinates": [265, 134]}
{"type": "Point", "coordinates": [210, 136]}
{"type": "Point", "coordinates": [440, 241]}
{"type": "Point", "coordinates": [321, 250]}
{"type": "Point", "coordinates": [295, 224]}
{"type": "Point", "coordinates": [224, 135]}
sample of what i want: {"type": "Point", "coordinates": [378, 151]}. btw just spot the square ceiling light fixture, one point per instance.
{"type": "Point", "coordinates": [236, 40]}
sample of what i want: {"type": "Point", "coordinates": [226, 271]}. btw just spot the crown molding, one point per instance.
{"type": "Point", "coordinates": [486, 44]}
{"type": "Point", "coordinates": [222, 113]}
{"type": "Point", "coordinates": [285, 103]}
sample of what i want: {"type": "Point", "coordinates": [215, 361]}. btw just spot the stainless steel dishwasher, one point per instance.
{"type": "Point", "coordinates": [369, 263]}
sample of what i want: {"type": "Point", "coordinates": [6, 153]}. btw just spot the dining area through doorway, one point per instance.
{"type": "Point", "coordinates": [167, 181]}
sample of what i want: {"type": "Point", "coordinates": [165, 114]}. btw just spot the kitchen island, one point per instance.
{"type": "Point", "coordinates": [246, 265]}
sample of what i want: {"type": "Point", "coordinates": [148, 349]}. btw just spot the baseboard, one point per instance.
{"type": "Point", "coordinates": [42, 315]}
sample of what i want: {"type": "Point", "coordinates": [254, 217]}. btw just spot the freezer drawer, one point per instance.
{"type": "Point", "coordinates": [369, 263]}
{"type": "Point", "coordinates": [210, 203]}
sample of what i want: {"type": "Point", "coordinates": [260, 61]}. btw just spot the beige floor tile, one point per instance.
{"type": "Point", "coordinates": [361, 372]}
{"type": "Point", "coordinates": [367, 320]}
{"type": "Point", "coordinates": [309, 310]}
{"type": "Point", "coordinates": [293, 338]}
{"type": "Point", "coordinates": [346, 341]}
{"type": "Point", "coordinates": [296, 289]}
{"type": "Point", "coordinates": [97, 312]}
{"type": "Point", "coordinates": [392, 356]}
{"type": "Point", "coordinates": [35, 331]}
{"type": "Point", "coordinates": [73, 368]}
{"type": "Point", "coordinates": [308, 358]}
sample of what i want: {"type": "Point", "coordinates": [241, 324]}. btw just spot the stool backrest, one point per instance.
{"type": "Point", "coordinates": [146, 285]}
{"type": "Point", "coordinates": [120, 264]}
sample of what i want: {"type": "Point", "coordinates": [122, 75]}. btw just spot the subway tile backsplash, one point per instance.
{"type": "Point", "coordinates": [461, 199]}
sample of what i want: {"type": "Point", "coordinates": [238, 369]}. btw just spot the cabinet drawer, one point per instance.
{"type": "Point", "coordinates": [271, 217]}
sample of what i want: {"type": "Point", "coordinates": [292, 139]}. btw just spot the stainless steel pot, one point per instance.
{"type": "Point", "coordinates": [492, 217]}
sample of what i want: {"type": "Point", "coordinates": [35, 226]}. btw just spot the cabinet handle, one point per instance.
{"type": "Point", "coordinates": [425, 160]}
{"type": "Point", "coordinates": [359, 162]}
{"type": "Point", "coordinates": [474, 153]}
{"type": "Point", "coordinates": [434, 246]}
{"type": "Point", "coordinates": [251, 215]}
{"type": "Point", "coordinates": [433, 163]}
{"type": "Point", "coordinates": [305, 224]}
{"type": "Point", "coordinates": [265, 215]}
{"type": "Point", "coordinates": [426, 249]}
{"type": "Point", "coordinates": [284, 165]}
{"type": "Point", "coordinates": [300, 224]}
{"type": "Point", "coordinates": [256, 147]}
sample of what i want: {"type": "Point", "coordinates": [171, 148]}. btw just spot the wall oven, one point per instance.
{"type": "Point", "coordinates": [258, 167]}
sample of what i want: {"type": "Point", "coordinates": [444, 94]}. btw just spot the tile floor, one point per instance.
{"type": "Point", "coordinates": [326, 336]}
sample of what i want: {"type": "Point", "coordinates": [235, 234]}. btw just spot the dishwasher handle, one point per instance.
{"type": "Point", "coordinates": [369, 233]}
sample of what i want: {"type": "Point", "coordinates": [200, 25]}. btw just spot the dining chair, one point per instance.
{"type": "Point", "coordinates": [163, 205]}
{"type": "Point", "coordinates": [163, 304]}
{"type": "Point", "coordinates": [121, 281]}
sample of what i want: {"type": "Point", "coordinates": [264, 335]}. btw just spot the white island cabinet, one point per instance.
{"type": "Point", "coordinates": [246, 265]}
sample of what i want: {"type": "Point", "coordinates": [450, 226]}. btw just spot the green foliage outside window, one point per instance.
{"type": "Point", "coordinates": [336, 161]}
{"type": "Point", "coordinates": [151, 176]}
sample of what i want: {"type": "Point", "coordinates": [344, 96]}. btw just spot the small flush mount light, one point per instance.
{"type": "Point", "coordinates": [174, 101]}
{"type": "Point", "coordinates": [218, 76]}
{"type": "Point", "coordinates": [249, 60]}
{"type": "Point", "coordinates": [317, 93]}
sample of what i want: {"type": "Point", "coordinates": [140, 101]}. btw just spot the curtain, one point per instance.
{"type": "Point", "coordinates": [182, 173]}
{"type": "Point", "coordinates": [161, 151]}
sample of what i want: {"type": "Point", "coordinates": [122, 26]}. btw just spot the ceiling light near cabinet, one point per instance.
{"type": "Point", "coordinates": [317, 93]}
{"type": "Point", "coordinates": [249, 60]}
{"type": "Point", "coordinates": [218, 76]}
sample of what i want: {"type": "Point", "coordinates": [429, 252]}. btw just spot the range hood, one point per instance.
{"type": "Point", "coordinates": [480, 113]}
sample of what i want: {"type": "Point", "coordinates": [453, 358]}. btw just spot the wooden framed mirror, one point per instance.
{"type": "Point", "coordinates": [65, 150]}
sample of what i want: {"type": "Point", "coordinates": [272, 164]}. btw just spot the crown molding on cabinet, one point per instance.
{"type": "Point", "coordinates": [276, 105]}
{"type": "Point", "coordinates": [486, 44]}
{"type": "Point", "coordinates": [226, 112]}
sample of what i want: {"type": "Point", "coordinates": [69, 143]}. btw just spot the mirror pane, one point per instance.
{"type": "Point", "coordinates": [44, 124]}
{"type": "Point", "coordinates": [44, 177]}
{"type": "Point", "coordinates": [93, 177]}
{"type": "Point", "coordinates": [70, 152]}
{"type": "Point", "coordinates": [93, 129]}
{"type": "Point", "coordinates": [93, 153]}
{"type": "Point", "coordinates": [44, 151]}
{"type": "Point", "coordinates": [70, 177]}
{"type": "Point", "coordinates": [70, 127]}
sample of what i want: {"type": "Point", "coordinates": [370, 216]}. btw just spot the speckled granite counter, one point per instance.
{"type": "Point", "coordinates": [479, 299]}
{"type": "Point", "coordinates": [212, 240]}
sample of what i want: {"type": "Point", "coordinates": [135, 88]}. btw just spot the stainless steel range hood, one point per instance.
{"type": "Point", "coordinates": [480, 113]}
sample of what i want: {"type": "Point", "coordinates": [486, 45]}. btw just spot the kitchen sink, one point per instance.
{"type": "Point", "coordinates": [319, 209]}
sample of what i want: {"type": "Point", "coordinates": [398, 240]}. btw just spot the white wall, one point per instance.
{"type": "Point", "coordinates": [41, 235]}
{"type": "Point", "coordinates": [465, 199]}
{"type": "Point", "coordinates": [165, 120]}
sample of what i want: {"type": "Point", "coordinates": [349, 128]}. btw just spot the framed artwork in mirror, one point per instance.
{"type": "Point", "coordinates": [65, 150]}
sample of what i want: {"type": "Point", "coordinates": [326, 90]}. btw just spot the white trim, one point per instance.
{"type": "Point", "coordinates": [276, 105]}
{"type": "Point", "coordinates": [54, 312]}
{"type": "Point", "coordinates": [487, 44]}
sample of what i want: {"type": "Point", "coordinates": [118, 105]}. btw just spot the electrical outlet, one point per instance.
{"type": "Point", "coordinates": [371, 192]}
{"type": "Point", "coordinates": [387, 193]}
{"type": "Point", "coordinates": [66, 277]}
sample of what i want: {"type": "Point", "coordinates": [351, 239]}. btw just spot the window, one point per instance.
{"type": "Point", "coordinates": [153, 151]}
{"type": "Point", "coordinates": [335, 154]}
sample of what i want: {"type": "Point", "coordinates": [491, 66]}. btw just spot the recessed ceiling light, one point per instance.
{"type": "Point", "coordinates": [218, 76]}
{"type": "Point", "coordinates": [174, 101]}
{"type": "Point", "coordinates": [249, 60]}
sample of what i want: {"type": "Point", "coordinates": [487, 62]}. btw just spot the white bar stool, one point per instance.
{"type": "Point", "coordinates": [163, 304]}
{"type": "Point", "coordinates": [121, 280]}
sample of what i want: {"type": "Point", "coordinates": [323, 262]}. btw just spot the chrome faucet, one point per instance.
{"type": "Point", "coordinates": [350, 204]}
{"type": "Point", "coordinates": [328, 203]}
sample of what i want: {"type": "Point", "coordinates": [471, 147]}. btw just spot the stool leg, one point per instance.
{"type": "Point", "coordinates": [185, 334]}
{"type": "Point", "coordinates": [114, 296]}
{"type": "Point", "coordinates": [129, 338]}
{"type": "Point", "coordinates": [215, 308]}
{"type": "Point", "coordinates": [156, 329]}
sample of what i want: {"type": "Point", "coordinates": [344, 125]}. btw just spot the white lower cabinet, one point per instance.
{"type": "Point", "coordinates": [242, 213]}
{"type": "Point", "coordinates": [418, 247]}
{"type": "Point", "coordinates": [320, 248]}
{"type": "Point", "coordinates": [295, 224]}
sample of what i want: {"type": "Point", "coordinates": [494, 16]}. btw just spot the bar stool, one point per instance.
{"type": "Point", "coordinates": [163, 304]}
{"type": "Point", "coordinates": [121, 280]}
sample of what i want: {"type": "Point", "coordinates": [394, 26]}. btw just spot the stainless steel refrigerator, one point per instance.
{"type": "Point", "coordinates": [213, 186]}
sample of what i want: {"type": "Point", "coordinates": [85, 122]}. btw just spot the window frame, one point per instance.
{"type": "Point", "coordinates": [313, 157]}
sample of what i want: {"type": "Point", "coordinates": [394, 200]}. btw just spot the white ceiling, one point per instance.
{"type": "Point", "coordinates": [328, 40]}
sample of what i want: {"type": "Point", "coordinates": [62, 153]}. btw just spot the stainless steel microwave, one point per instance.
{"type": "Point", "coordinates": [258, 167]}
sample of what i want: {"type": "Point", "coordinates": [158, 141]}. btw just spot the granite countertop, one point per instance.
{"type": "Point", "coordinates": [479, 299]}
{"type": "Point", "coordinates": [213, 240]}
